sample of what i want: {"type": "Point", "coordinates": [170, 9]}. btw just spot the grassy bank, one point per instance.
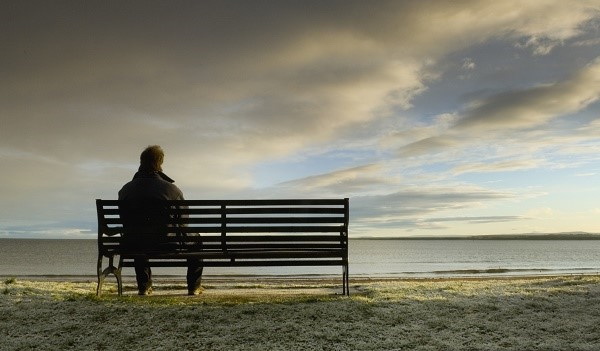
{"type": "Point", "coordinates": [552, 313]}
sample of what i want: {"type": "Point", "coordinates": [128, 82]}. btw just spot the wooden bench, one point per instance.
{"type": "Point", "coordinates": [231, 233]}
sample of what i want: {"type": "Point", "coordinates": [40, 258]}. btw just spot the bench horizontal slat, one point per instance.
{"type": "Point", "coordinates": [239, 254]}
{"type": "Point", "coordinates": [268, 246]}
{"type": "Point", "coordinates": [237, 211]}
{"type": "Point", "coordinates": [246, 229]}
{"type": "Point", "coordinates": [255, 263]}
{"type": "Point", "coordinates": [265, 229]}
{"type": "Point", "coordinates": [257, 210]}
{"type": "Point", "coordinates": [261, 220]}
{"type": "Point", "coordinates": [244, 220]}
{"type": "Point", "coordinates": [260, 210]}
{"type": "Point", "coordinates": [244, 238]}
{"type": "Point", "coordinates": [258, 202]}
{"type": "Point", "coordinates": [272, 229]}
{"type": "Point", "coordinates": [255, 247]}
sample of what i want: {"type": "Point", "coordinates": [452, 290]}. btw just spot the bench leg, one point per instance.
{"type": "Point", "coordinates": [111, 269]}
{"type": "Point", "coordinates": [100, 274]}
{"type": "Point", "coordinates": [117, 274]}
{"type": "Point", "coordinates": [345, 281]}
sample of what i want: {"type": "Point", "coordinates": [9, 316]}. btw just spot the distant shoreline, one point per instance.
{"type": "Point", "coordinates": [293, 281]}
{"type": "Point", "coordinates": [469, 275]}
{"type": "Point", "coordinates": [525, 236]}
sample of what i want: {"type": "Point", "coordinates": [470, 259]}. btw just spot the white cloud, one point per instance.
{"type": "Point", "coordinates": [497, 166]}
{"type": "Point", "coordinates": [468, 64]}
{"type": "Point", "coordinates": [434, 144]}
{"type": "Point", "coordinates": [354, 180]}
{"type": "Point", "coordinates": [540, 46]}
{"type": "Point", "coordinates": [587, 42]}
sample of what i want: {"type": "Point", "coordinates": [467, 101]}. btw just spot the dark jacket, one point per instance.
{"type": "Point", "coordinates": [144, 216]}
{"type": "Point", "coordinates": [150, 185]}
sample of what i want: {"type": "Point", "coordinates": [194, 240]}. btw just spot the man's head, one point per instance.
{"type": "Point", "coordinates": [151, 159]}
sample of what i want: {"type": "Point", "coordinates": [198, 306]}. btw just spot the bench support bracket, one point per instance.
{"type": "Point", "coordinates": [111, 269]}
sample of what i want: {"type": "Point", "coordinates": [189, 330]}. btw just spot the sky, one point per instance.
{"type": "Point", "coordinates": [435, 118]}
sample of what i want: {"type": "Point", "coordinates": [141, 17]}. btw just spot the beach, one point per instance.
{"type": "Point", "coordinates": [287, 313]}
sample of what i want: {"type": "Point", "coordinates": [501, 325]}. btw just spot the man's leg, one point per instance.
{"type": "Point", "coordinates": [194, 276]}
{"type": "Point", "coordinates": [143, 275]}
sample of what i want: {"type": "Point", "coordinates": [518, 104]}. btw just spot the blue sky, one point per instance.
{"type": "Point", "coordinates": [434, 117]}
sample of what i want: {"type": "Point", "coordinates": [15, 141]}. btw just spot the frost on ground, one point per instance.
{"type": "Point", "coordinates": [551, 313]}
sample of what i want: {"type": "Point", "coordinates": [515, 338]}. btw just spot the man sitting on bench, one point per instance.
{"type": "Point", "coordinates": [148, 187]}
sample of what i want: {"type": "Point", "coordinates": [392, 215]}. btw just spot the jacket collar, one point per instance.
{"type": "Point", "coordinates": [153, 174]}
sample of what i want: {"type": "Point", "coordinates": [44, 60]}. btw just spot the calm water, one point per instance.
{"type": "Point", "coordinates": [402, 258]}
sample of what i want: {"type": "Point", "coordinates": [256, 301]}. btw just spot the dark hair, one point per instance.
{"type": "Point", "coordinates": [151, 159]}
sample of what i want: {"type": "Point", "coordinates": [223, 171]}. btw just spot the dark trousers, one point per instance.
{"type": "Point", "coordinates": [143, 274]}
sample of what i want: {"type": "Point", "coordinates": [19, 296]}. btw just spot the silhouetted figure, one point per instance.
{"type": "Point", "coordinates": [147, 221]}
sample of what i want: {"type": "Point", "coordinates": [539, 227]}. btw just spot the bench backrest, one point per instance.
{"type": "Point", "coordinates": [311, 224]}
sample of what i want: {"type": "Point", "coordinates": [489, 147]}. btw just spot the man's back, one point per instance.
{"type": "Point", "coordinates": [145, 217]}
{"type": "Point", "coordinates": [150, 185]}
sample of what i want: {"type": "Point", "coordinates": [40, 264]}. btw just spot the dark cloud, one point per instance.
{"type": "Point", "coordinates": [537, 105]}
{"type": "Point", "coordinates": [422, 202]}
{"type": "Point", "coordinates": [503, 115]}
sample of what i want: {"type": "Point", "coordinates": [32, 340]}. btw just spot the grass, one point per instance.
{"type": "Point", "coordinates": [552, 313]}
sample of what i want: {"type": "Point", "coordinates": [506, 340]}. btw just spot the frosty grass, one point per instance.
{"type": "Point", "coordinates": [549, 313]}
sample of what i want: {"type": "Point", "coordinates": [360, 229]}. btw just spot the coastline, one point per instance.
{"type": "Point", "coordinates": [269, 284]}
{"type": "Point", "coordinates": [416, 276]}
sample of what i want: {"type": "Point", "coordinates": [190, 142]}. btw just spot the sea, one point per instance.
{"type": "Point", "coordinates": [368, 258]}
